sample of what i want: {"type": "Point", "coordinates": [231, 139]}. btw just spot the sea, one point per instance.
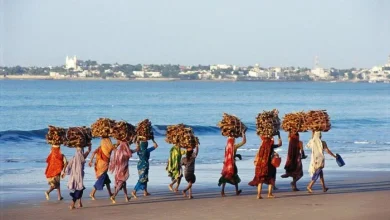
{"type": "Point", "coordinates": [360, 118]}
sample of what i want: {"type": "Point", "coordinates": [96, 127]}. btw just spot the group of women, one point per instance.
{"type": "Point", "coordinates": [265, 170]}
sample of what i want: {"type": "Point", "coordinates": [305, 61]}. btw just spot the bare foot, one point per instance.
{"type": "Point", "coordinates": [170, 187]}
{"type": "Point", "coordinates": [184, 193]}
{"type": "Point", "coordinates": [309, 190]}
{"type": "Point", "coordinates": [61, 198]}
{"type": "Point", "coordinates": [134, 194]}
{"type": "Point", "coordinates": [47, 195]}
{"type": "Point", "coordinates": [113, 199]}
{"type": "Point", "coordinates": [71, 207]}
{"type": "Point", "coordinates": [190, 197]}
{"type": "Point", "coordinates": [92, 197]}
{"type": "Point", "coordinates": [176, 190]}
{"type": "Point", "coordinates": [238, 192]}
{"type": "Point", "coordinates": [325, 189]}
{"type": "Point", "coordinates": [259, 197]}
{"type": "Point", "coordinates": [270, 196]}
{"type": "Point", "coordinates": [147, 194]}
{"type": "Point", "coordinates": [127, 199]}
{"type": "Point", "coordinates": [80, 205]}
{"type": "Point", "coordinates": [223, 194]}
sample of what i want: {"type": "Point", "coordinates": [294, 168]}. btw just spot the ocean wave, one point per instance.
{"type": "Point", "coordinates": [362, 142]}
{"type": "Point", "coordinates": [159, 130]}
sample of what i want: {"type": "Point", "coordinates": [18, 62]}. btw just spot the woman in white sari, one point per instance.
{"type": "Point", "coordinates": [317, 162]}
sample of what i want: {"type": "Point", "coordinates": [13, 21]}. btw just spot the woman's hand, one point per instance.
{"type": "Point", "coordinates": [90, 163]}
{"type": "Point", "coordinates": [279, 142]}
{"type": "Point", "coordinates": [155, 144]}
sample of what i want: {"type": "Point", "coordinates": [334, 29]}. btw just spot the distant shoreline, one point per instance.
{"type": "Point", "coordinates": [41, 77]}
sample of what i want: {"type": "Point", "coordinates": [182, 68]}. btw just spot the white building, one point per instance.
{"type": "Point", "coordinates": [140, 74]}
{"type": "Point", "coordinates": [320, 73]}
{"type": "Point", "coordinates": [154, 74]}
{"type": "Point", "coordinates": [220, 67]}
{"type": "Point", "coordinates": [71, 62]}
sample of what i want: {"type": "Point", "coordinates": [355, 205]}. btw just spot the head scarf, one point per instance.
{"type": "Point", "coordinates": [293, 153]}
{"type": "Point", "coordinates": [228, 167]}
{"type": "Point", "coordinates": [317, 153]}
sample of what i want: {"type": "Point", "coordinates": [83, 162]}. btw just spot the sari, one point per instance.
{"type": "Point", "coordinates": [55, 164]}
{"type": "Point", "coordinates": [143, 166]}
{"type": "Point", "coordinates": [317, 162]}
{"type": "Point", "coordinates": [265, 172]}
{"type": "Point", "coordinates": [103, 154]}
{"type": "Point", "coordinates": [119, 165]}
{"type": "Point", "coordinates": [293, 164]}
{"type": "Point", "coordinates": [75, 170]}
{"type": "Point", "coordinates": [174, 168]}
{"type": "Point", "coordinates": [229, 172]}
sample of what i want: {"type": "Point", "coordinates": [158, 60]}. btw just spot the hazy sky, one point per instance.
{"type": "Point", "coordinates": [343, 33]}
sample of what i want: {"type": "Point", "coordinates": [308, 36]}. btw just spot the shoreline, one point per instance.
{"type": "Point", "coordinates": [354, 195]}
{"type": "Point", "coordinates": [49, 78]}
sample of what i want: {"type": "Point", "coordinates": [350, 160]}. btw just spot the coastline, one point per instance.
{"type": "Point", "coordinates": [43, 77]}
{"type": "Point", "coordinates": [352, 195]}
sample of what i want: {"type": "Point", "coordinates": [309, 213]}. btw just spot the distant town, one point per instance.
{"type": "Point", "coordinates": [91, 70]}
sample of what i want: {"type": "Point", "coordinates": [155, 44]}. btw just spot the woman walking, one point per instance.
{"type": "Point", "coordinates": [174, 168]}
{"type": "Point", "coordinates": [103, 154]}
{"type": "Point", "coordinates": [293, 165]}
{"type": "Point", "coordinates": [265, 172]}
{"type": "Point", "coordinates": [56, 164]}
{"type": "Point", "coordinates": [317, 162]}
{"type": "Point", "coordinates": [120, 167]}
{"type": "Point", "coordinates": [75, 170]}
{"type": "Point", "coordinates": [229, 170]}
{"type": "Point", "coordinates": [143, 153]}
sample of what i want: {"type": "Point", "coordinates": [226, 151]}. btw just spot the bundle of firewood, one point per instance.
{"type": "Point", "coordinates": [295, 122]}
{"type": "Point", "coordinates": [231, 126]}
{"type": "Point", "coordinates": [182, 136]}
{"type": "Point", "coordinates": [173, 133]}
{"type": "Point", "coordinates": [78, 137]}
{"type": "Point", "coordinates": [317, 120]}
{"type": "Point", "coordinates": [144, 129]}
{"type": "Point", "coordinates": [123, 131]}
{"type": "Point", "coordinates": [268, 123]}
{"type": "Point", "coordinates": [102, 127]}
{"type": "Point", "coordinates": [55, 135]}
{"type": "Point", "coordinates": [188, 138]}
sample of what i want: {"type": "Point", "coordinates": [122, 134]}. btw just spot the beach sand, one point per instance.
{"type": "Point", "coordinates": [361, 195]}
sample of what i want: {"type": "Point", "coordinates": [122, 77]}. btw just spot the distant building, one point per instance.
{"type": "Point", "coordinates": [220, 67]}
{"type": "Point", "coordinates": [71, 62]}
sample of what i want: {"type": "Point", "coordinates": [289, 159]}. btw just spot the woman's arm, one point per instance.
{"type": "Point", "coordinates": [197, 150]}
{"type": "Point", "coordinates": [242, 142]}
{"type": "Point", "coordinates": [86, 153]}
{"type": "Point", "coordinates": [155, 145]}
{"type": "Point", "coordinates": [65, 165]}
{"type": "Point", "coordinates": [93, 155]}
{"type": "Point", "coordinates": [325, 146]}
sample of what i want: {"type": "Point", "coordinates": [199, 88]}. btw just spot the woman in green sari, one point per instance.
{"type": "Point", "coordinates": [174, 168]}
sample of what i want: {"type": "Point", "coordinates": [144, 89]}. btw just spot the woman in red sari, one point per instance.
{"type": "Point", "coordinates": [293, 165]}
{"type": "Point", "coordinates": [265, 172]}
{"type": "Point", "coordinates": [230, 171]}
{"type": "Point", "coordinates": [56, 164]}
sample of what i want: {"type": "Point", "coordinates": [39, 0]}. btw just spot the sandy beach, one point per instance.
{"type": "Point", "coordinates": [361, 195]}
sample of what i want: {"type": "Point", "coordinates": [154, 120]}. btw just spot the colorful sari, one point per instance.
{"type": "Point", "coordinates": [103, 154]}
{"type": "Point", "coordinates": [55, 164]}
{"type": "Point", "coordinates": [143, 166]}
{"type": "Point", "coordinates": [265, 172]}
{"type": "Point", "coordinates": [75, 170]}
{"type": "Point", "coordinates": [293, 165]}
{"type": "Point", "coordinates": [174, 168]}
{"type": "Point", "coordinates": [229, 172]}
{"type": "Point", "coordinates": [119, 165]}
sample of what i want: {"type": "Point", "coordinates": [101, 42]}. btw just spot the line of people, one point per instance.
{"type": "Point", "coordinates": [118, 164]}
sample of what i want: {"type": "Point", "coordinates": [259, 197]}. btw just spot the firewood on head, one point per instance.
{"type": "Point", "coordinates": [102, 127]}
{"type": "Point", "coordinates": [55, 135]}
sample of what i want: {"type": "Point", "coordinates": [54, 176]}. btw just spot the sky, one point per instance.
{"type": "Point", "coordinates": [342, 33]}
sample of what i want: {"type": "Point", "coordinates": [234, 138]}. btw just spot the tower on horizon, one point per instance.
{"type": "Point", "coordinates": [71, 62]}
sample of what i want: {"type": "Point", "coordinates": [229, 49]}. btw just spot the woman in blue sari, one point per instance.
{"type": "Point", "coordinates": [143, 153]}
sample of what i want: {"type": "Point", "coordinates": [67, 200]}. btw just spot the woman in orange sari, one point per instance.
{"type": "Point", "coordinates": [293, 165]}
{"type": "Point", "coordinates": [265, 172]}
{"type": "Point", "coordinates": [229, 170]}
{"type": "Point", "coordinates": [103, 154]}
{"type": "Point", "coordinates": [56, 164]}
